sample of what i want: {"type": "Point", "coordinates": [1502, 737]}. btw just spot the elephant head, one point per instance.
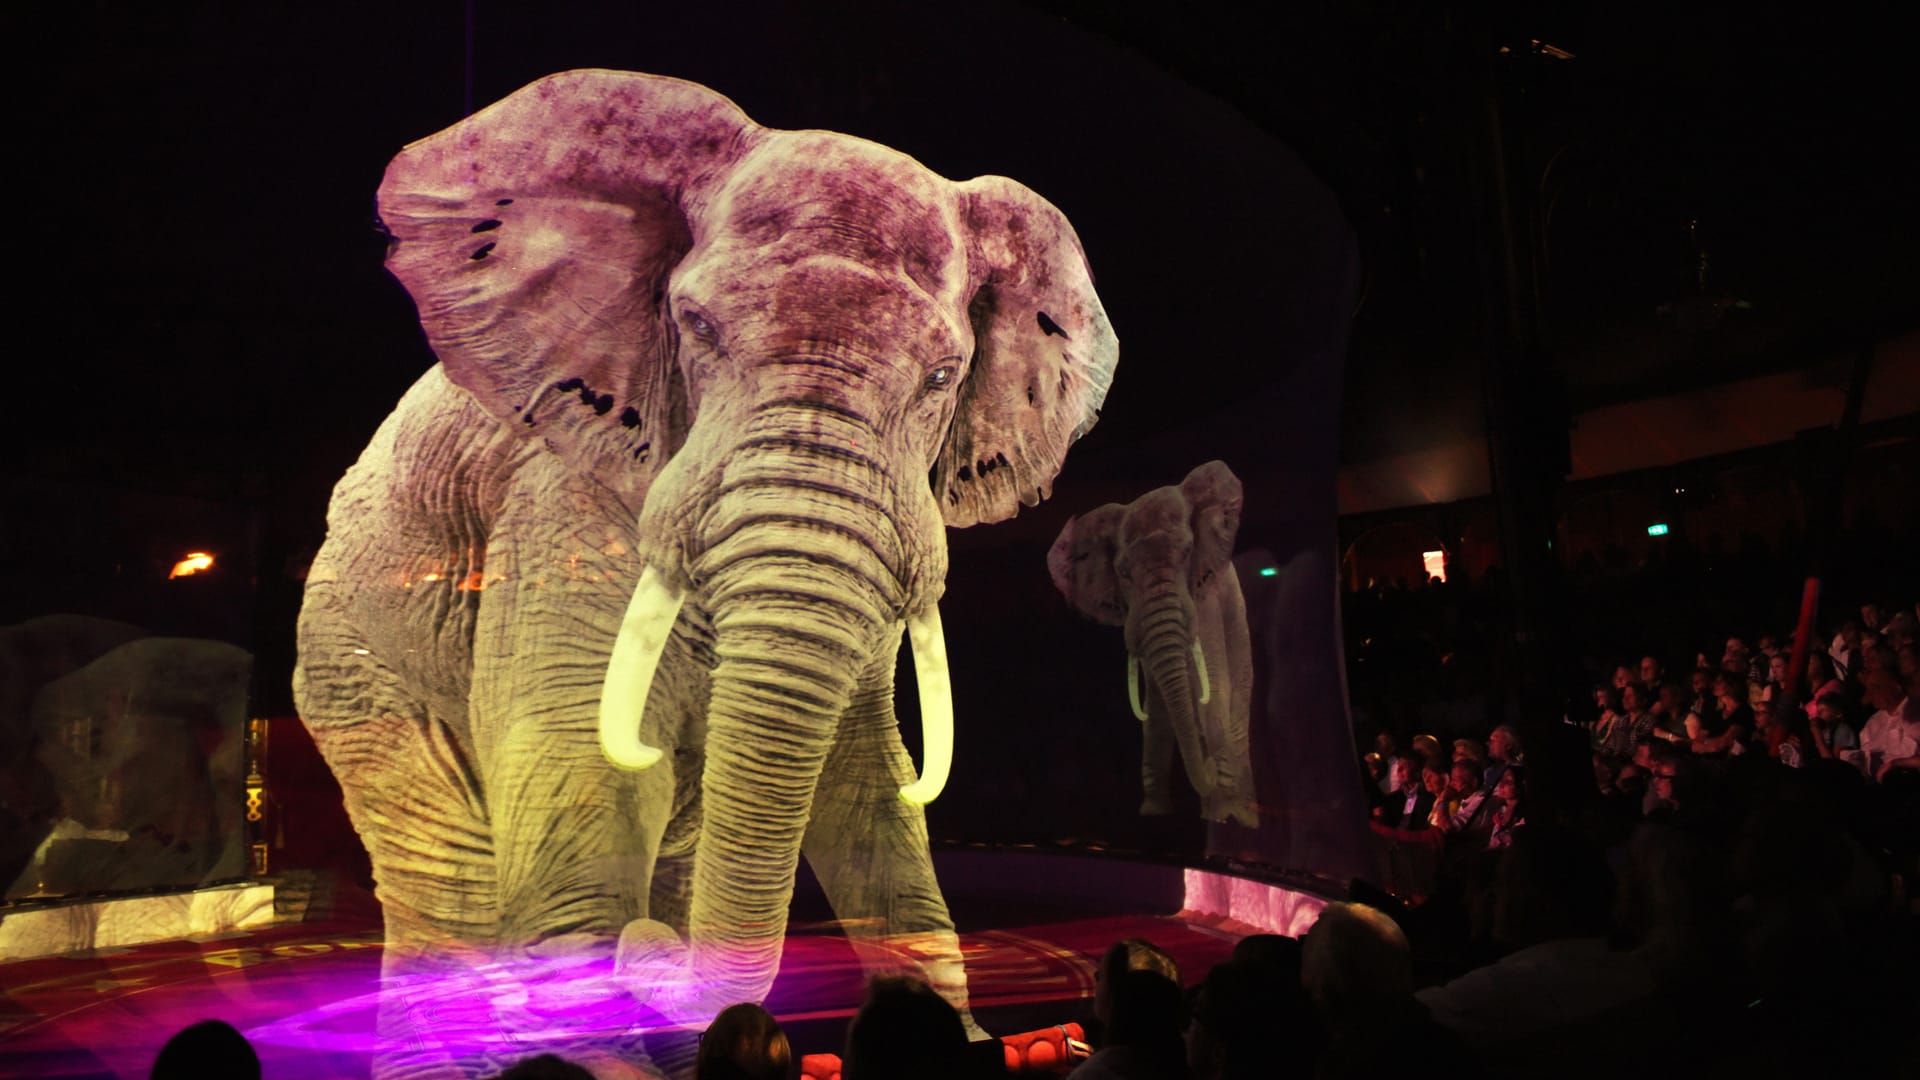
{"type": "Point", "coordinates": [797, 356]}
{"type": "Point", "coordinates": [1161, 568]}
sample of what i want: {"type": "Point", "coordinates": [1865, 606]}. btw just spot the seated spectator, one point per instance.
{"type": "Point", "coordinates": [1468, 813]}
{"type": "Point", "coordinates": [1775, 687]}
{"type": "Point", "coordinates": [1652, 675]}
{"type": "Point", "coordinates": [1820, 681]}
{"type": "Point", "coordinates": [1627, 727]}
{"type": "Point", "coordinates": [1845, 650]}
{"type": "Point", "coordinates": [1509, 814]}
{"type": "Point", "coordinates": [1672, 780]}
{"type": "Point", "coordinates": [1622, 677]}
{"type": "Point", "coordinates": [1610, 707]}
{"type": "Point", "coordinates": [904, 1031]}
{"type": "Point", "coordinates": [1891, 740]}
{"type": "Point", "coordinates": [1831, 735]}
{"type": "Point", "coordinates": [1127, 954]}
{"type": "Point", "coordinates": [1274, 954]}
{"type": "Point", "coordinates": [208, 1050]}
{"type": "Point", "coordinates": [1252, 1019]}
{"type": "Point", "coordinates": [1470, 750]}
{"type": "Point", "coordinates": [1503, 749]}
{"type": "Point", "coordinates": [1411, 801]}
{"type": "Point", "coordinates": [1872, 620]}
{"type": "Point", "coordinates": [1144, 1035]}
{"type": "Point", "coordinates": [1736, 719]}
{"type": "Point", "coordinates": [743, 1043]}
{"type": "Point", "coordinates": [546, 1067]}
{"type": "Point", "coordinates": [1790, 737]}
{"type": "Point", "coordinates": [1357, 971]}
{"type": "Point", "coordinates": [1426, 747]}
{"type": "Point", "coordinates": [1907, 660]}
{"type": "Point", "coordinates": [1877, 656]}
{"type": "Point", "coordinates": [1670, 714]}
{"type": "Point", "coordinates": [1700, 694]}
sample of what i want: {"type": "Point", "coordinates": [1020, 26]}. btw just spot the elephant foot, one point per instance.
{"type": "Point", "coordinates": [975, 1033]}
{"type": "Point", "coordinates": [1156, 805]}
{"type": "Point", "coordinates": [1236, 811]}
{"type": "Point", "coordinates": [656, 967]}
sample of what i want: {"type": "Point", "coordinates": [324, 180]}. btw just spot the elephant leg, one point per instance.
{"type": "Point", "coordinates": [1156, 758]}
{"type": "Point", "coordinates": [575, 837]}
{"type": "Point", "coordinates": [671, 896]}
{"type": "Point", "coordinates": [869, 849]}
{"type": "Point", "coordinates": [410, 786]}
{"type": "Point", "coordinates": [576, 840]}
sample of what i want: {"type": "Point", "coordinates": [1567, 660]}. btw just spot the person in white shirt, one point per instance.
{"type": "Point", "coordinates": [1891, 739]}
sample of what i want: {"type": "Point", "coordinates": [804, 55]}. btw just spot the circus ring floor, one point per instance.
{"type": "Point", "coordinates": [1033, 926]}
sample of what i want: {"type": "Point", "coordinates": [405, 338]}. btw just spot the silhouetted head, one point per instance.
{"type": "Point", "coordinates": [1353, 960]}
{"type": "Point", "coordinates": [743, 1043]}
{"type": "Point", "coordinates": [904, 1031]}
{"type": "Point", "coordinates": [208, 1050]}
{"type": "Point", "coordinates": [546, 1067]}
{"type": "Point", "coordinates": [1128, 954]}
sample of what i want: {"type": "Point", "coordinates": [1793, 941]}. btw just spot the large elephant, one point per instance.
{"type": "Point", "coordinates": [708, 395]}
{"type": "Point", "coordinates": [1161, 567]}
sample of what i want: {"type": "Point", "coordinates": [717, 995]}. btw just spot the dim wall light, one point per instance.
{"type": "Point", "coordinates": [195, 562]}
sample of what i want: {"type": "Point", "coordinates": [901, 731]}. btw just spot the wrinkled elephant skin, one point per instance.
{"type": "Point", "coordinates": [1161, 568]}
{"type": "Point", "coordinates": [674, 342]}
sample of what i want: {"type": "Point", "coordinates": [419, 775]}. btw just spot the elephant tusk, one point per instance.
{"type": "Point", "coordinates": [1133, 688]}
{"type": "Point", "coordinates": [929, 643]}
{"type": "Point", "coordinates": [636, 654]}
{"type": "Point", "coordinates": [1200, 669]}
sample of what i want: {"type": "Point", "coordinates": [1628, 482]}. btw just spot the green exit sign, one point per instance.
{"type": "Point", "coordinates": [1657, 530]}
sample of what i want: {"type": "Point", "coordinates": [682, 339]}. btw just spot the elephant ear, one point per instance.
{"type": "Point", "coordinates": [1081, 565]}
{"type": "Point", "coordinates": [1044, 355]}
{"type": "Point", "coordinates": [1216, 499]}
{"type": "Point", "coordinates": [536, 237]}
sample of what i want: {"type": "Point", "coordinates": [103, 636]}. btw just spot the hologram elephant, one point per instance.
{"type": "Point", "coordinates": [708, 396]}
{"type": "Point", "coordinates": [1161, 568]}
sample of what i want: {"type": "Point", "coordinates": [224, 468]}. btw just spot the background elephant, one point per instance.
{"type": "Point", "coordinates": [33, 653]}
{"type": "Point", "coordinates": [1161, 568]}
{"type": "Point", "coordinates": [146, 750]}
{"type": "Point", "coordinates": [694, 378]}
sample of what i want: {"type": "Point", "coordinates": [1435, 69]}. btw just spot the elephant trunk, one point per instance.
{"type": "Point", "coordinates": [804, 587]}
{"type": "Point", "coordinates": [1164, 643]}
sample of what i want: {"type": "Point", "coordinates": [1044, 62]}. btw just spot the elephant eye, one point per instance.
{"type": "Point", "coordinates": [941, 377]}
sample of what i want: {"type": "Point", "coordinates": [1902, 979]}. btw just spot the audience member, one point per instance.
{"type": "Point", "coordinates": [1626, 727]}
{"type": "Point", "coordinates": [1145, 1030]}
{"type": "Point", "coordinates": [1832, 736]}
{"type": "Point", "coordinates": [904, 1031]}
{"type": "Point", "coordinates": [1245, 1013]}
{"type": "Point", "coordinates": [1356, 969]}
{"type": "Point", "coordinates": [1127, 954]}
{"type": "Point", "coordinates": [1509, 814]}
{"type": "Point", "coordinates": [744, 1043]}
{"type": "Point", "coordinates": [1410, 802]}
{"type": "Point", "coordinates": [1891, 739]}
{"type": "Point", "coordinates": [1503, 750]}
{"type": "Point", "coordinates": [1819, 681]}
{"type": "Point", "coordinates": [546, 1067]}
{"type": "Point", "coordinates": [208, 1050]}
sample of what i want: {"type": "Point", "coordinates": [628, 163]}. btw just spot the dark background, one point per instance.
{"type": "Point", "coordinates": [208, 337]}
